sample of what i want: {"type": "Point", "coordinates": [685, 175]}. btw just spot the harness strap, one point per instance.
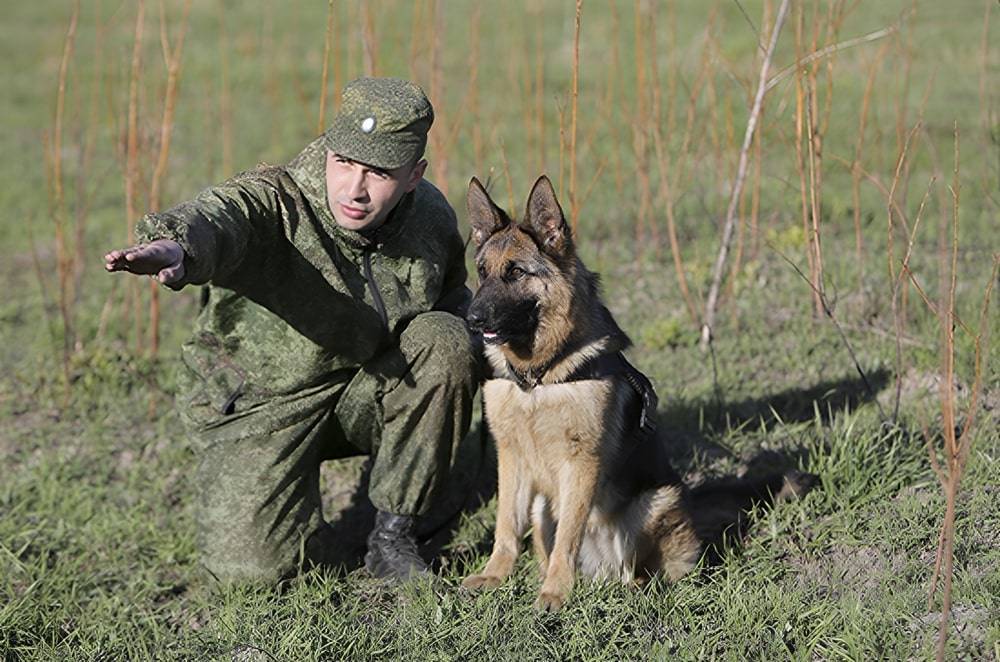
{"type": "Point", "coordinates": [609, 365]}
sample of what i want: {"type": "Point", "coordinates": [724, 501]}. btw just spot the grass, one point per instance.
{"type": "Point", "coordinates": [97, 556]}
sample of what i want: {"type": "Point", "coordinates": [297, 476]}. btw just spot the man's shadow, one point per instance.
{"type": "Point", "coordinates": [719, 506]}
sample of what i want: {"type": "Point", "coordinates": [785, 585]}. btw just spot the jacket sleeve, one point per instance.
{"type": "Point", "coordinates": [220, 228]}
{"type": "Point", "coordinates": [455, 296]}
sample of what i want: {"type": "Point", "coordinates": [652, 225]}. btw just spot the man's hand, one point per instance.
{"type": "Point", "coordinates": [162, 259]}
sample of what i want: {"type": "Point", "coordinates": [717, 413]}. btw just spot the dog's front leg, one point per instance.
{"type": "Point", "coordinates": [542, 532]}
{"type": "Point", "coordinates": [513, 502]}
{"type": "Point", "coordinates": [576, 491]}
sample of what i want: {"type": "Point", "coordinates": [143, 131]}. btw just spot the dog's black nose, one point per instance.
{"type": "Point", "coordinates": [475, 319]}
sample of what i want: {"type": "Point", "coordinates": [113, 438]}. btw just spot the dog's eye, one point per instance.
{"type": "Point", "coordinates": [516, 273]}
{"type": "Point", "coordinates": [481, 270]}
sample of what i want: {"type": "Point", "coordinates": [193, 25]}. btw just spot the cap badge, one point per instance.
{"type": "Point", "coordinates": [368, 124]}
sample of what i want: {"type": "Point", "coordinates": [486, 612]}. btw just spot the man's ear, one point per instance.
{"type": "Point", "coordinates": [416, 174]}
{"type": "Point", "coordinates": [544, 218]}
{"type": "Point", "coordinates": [484, 216]}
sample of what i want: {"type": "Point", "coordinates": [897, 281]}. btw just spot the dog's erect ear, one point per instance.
{"type": "Point", "coordinates": [544, 218]}
{"type": "Point", "coordinates": [484, 216]}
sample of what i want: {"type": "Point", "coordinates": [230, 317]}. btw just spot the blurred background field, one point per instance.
{"type": "Point", "coordinates": [96, 541]}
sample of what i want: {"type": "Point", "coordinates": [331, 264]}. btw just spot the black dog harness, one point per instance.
{"type": "Point", "coordinates": [602, 367]}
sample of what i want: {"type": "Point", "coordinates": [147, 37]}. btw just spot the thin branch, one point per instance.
{"type": "Point", "coordinates": [132, 158]}
{"type": "Point", "coordinates": [753, 27]}
{"type": "Point", "coordinates": [828, 311]}
{"type": "Point", "coordinates": [59, 209]}
{"type": "Point", "coordinates": [897, 283]}
{"type": "Point", "coordinates": [321, 119]}
{"type": "Point", "coordinates": [830, 50]}
{"type": "Point", "coordinates": [892, 195]}
{"type": "Point", "coordinates": [977, 380]}
{"type": "Point", "coordinates": [741, 173]}
{"type": "Point", "coordinates": [574, 204]}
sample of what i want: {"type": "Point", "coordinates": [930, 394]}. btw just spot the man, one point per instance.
{"type": "Point", "coordinates": [331, 325]}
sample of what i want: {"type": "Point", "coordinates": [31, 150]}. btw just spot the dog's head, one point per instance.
{"type": "Point", "coordinates": [525, 269]}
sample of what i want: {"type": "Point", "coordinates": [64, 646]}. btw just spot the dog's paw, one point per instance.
{"type": "Point", "coordinates": [479, 582]}
{"type": "Point", "coordinates": [549, 601]}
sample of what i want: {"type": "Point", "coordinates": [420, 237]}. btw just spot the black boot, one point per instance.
{"type": "Point", "coordinates": [392, 548]}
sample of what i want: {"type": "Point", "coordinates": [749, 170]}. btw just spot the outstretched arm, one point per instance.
{"type": "Point", "coordinates": [219, 230]}
{"type": "Point", "coordinates": [162, 259]}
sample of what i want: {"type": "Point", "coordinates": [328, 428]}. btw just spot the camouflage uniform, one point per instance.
{"type": "Point", "coordinates": [315, 342]}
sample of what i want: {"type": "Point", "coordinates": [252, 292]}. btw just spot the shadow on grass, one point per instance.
{"type": "Point", "coordinates": [718, 506]}
{"type": "Point", "coordinates": [693, 428]}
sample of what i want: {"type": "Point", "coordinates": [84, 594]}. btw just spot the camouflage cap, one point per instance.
{"type": "Point", "coordinates": [382, 122]}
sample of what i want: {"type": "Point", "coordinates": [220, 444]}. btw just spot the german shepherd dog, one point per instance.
{"type": "Point", "coordinates": [578, 455]}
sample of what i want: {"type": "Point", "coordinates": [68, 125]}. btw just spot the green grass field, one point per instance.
{"type": "Point", "coordinates": [97, 554]}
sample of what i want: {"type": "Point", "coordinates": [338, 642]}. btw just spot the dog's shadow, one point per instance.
{"type": "Point", "coordinates": [719, 505]}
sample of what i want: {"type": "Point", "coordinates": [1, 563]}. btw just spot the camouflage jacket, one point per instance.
{"type": "Point", "coordinates": [292, 297]}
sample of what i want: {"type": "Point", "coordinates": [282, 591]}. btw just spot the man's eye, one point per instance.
{"type": "Point", "coordinates": [380, 174]}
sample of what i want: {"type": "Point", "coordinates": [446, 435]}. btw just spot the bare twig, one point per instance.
{"type": "Point", "coordinates": [741, 172]}
{"type": "Point", "coordinates": [753, 27]}
{"type": "Point", "coordinates": [436, 38]}
{"type": "Point", "coordinates": [814, 168]}
{"type": "Point", "coordinates": [506, 174]}
{"type": "Point", "coordinates": [574, 203]}
{"type": "Point", "coordinates": [321, 119]}
{"type": "Point", "coordinates": [858, 150]}
{"type": "Point", "coordinates": [828, 311]}
{"type": "Point", "coordinates": [639, 129]}
{"type": "Point", "coordinates": [895, 292]}
{"type": "Point", "coordinates": [830, 50]}
{"type": "Point", "coordinates": [956, 444]}
{"type": "Point", "coordinates": [369, 40]}
{"type": "Point", "coordinates": [63, 260]}
{"type": "Point", "coordinates": [666, 190]}
{"type": "Point", "coordinates": [225, 97]}
{"type": "Point", "coordinates": [173, 63]}
{"type": "Point", "coordinates": [132, 159]}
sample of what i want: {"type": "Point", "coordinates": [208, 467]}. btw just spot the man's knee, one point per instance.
{"type": "Point", "coordinates": [446, 337]}
{"type": "Point", "coordinates": [252, 511]}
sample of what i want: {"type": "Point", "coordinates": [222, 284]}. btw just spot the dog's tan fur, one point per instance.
{"type": "Point", "coordinates": [555, 440]}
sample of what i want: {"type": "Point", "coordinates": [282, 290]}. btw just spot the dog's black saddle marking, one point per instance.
{"type": "Point", "coordinates": [601, 367]}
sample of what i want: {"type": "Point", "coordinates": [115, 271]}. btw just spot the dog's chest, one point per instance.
{"type": "Point", "coordinates": [547, 423]}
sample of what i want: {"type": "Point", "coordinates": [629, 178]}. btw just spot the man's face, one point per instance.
{"type": "Point", "coordinates": [361, 196]}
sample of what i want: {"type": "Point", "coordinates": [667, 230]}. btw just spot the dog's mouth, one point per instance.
{"type": "Point", "coordinates": [506, 323]}
{"type": "Point", "coordinates": [492, 338]}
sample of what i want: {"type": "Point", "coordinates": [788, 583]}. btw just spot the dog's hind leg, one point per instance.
{"type": "Point", "coordinates": [673, 545]}
{"type": "Point", "coordinates": [513, 503]}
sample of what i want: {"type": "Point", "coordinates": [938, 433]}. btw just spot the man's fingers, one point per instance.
{"type": "Point", "coordinates": [115, 260]}
{"type": "Point", "coordinates": [140, 259]}
{"type": "Point", "coordinates": [171, 274]}
{"type": "Point", "coordinates": [151, 258]}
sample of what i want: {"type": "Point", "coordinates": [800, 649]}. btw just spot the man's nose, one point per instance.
{"type": "Point", "coordinates": [356, 186]}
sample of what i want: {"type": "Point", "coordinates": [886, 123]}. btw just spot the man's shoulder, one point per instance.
{"type": "Point", "coordinates": [264, 174]}
{"type": "Point", "coordinates": [431, 206]}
